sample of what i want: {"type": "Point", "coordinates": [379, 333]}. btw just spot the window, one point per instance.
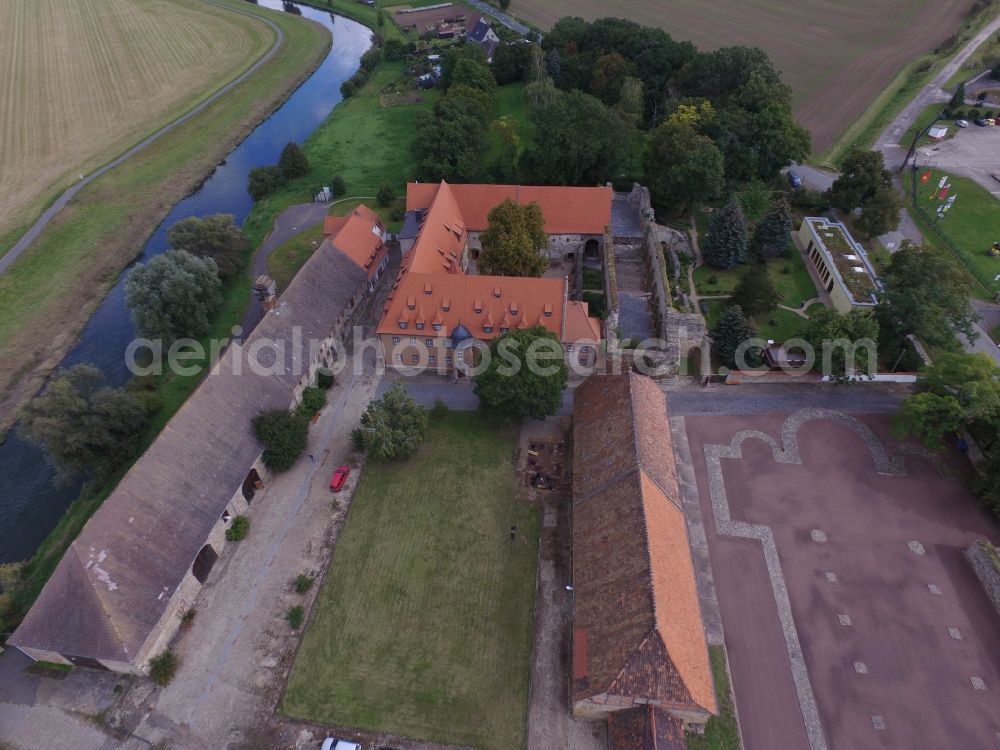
{"type": "Point", "coordinates": [505, 330]}
{"type": "Point", "coordinates": [420, 326]}
{"type": "Point", "coordinates": [399, 357]}
{"type": "Point", "coordinates": [570, 348]}
{"type": "Point", "coordinates": [415, 359]}
{"type": "Point", "coordinates": [395, 339]}
{"type": "Point", "coordinates": [436, 326]}
{"type": "Point", "coordinates": [413, 341]}
{"type": "Point", "coordinates": [584, 349]}
{"type": "Point", "coordinates": [431, 359]}
{"type": "Point", "coordinates": [402, 326]}
{"type": "Point", "coordinates": [447, 343]}
{"type": "Point", "coordinates": [447, 360]}
{"type": "Point", "coordinates": [430, 343]}
{"type": "Point", "coordinates": [488, 329]}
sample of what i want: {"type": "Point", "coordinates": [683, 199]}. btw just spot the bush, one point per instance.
{"type": "Point", "coordinates": [295, 615]}
{"type": "Point", "coordinates": [386, 194]}
{"type": "Point", "coordinates": [264, 181]}
{"type": "Point", "coordinates": [325, 380]}
{"type": "Point", "coordinates": [303, 583]}
{"type": "Point", "coordinates": [348, 88]}
{"type": "Point", "coordinates": [313, 400]}
{"type": "Point", "coordinates": [358, 439]}
{"type": "Point", "coordinates": [809, 200]}
{"type": "Point", "coordinates": [238, 529]}
{"type": "Point", "coordinates": [284, 437]}
{"type": "Point", "coordinates": [371, 59]}
{"type": "Point", "coordinates": [338, 186]}
{"type": "Point", "coordinates": [713, 279]}
{"type": "Point", "coordinates": [439, 410]}
{"type": "Point", "coordinates": [981, 96]}
{"type": "Point", "coordinates": [187, 619]}
{"type": "Point", "coordinates": [163, 668]}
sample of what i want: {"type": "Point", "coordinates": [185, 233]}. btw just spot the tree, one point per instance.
{"type": "Point", "coordinates": [972, 379]}
{"type": "Point", "coordinates": [510, 63]}
{"type": "Point", "coordinates": [337, 186]}
{"type": "Point", "coordinates": [262, 181]}
{"type": "Point", "coordinates": [514, 241]}
{"type": "Point", "coordinates": [729, 334]}
{"type": "Point", "coordinates": [393, 426]}
{"type": "Point", "coordinates": [554, 65]}
{"type": "Point", "coordinates": [451, 139]}
{"type": "Point", "coordinates": [578, 141]}
{"type": "Point", "coordinates": [726, 243]}
{"type": "Point", "coordinates": [83, 426]}
{"type": "Point", "coordinates": [284, 436]}
{"type": "Point", "coordinates": [216, 236]}
{"type": "Point", "coordinates": [607, 76]}
{"type": "Point", "coordinates": [631, 101]}
{"type": "Point", "coordinates": [987, 483]}
{"type": "Point", "coordinates": [926, 294]}
{"type": "Point", "coordinates": [682, 167]}
{"type": "Point", "coordinates": [928, 416]}
{"type": "Point", "coordinates": [452, 57]}
{"type": "Point", "coordinates": [958, 98]}
{"type": "Point", "coordinates": [474, 74]}
{"type": "Point", "coordinates": [755, 292]}
{"type": "Point", "coordinates": [386, 194]}
{"type": "Point", "coordinates": [773, 234]}
{"type": "Point", "coordinates": [880, 213]}
{"type": "Point", "coordinates": [513, 147]}
{"type": "Point", "coordinates": [844, 344]}
{"type": "Point", "coordinates": [525, 377]}
{"type": "Point", "coordinates": [293, 161]}
{"type": "Point", "coordinates": [536, 64]}
{"type": "Point", "coordinates": [173, 296]}
{"type": "Point", "coordinates": [862, 176]}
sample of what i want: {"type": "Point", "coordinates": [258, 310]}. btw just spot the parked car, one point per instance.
{"type": "Point", "coordinates": [962, 123]}
{"type": "Point", "coordinates": [334, 744]}
{"type": "Point", "coordinates": [794, 180]}
{"type": "Point", "coordinates": [338, 480]}
{"type": "Point", "coordinates": [991, 121]}
{"type": "Point", "coordinates": [982, 122]}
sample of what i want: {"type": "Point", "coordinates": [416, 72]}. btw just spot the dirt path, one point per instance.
{"type": "Point", "coordinates": [43, 221]}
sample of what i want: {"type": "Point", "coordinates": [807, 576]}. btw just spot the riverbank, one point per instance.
{"type": "Point", "coordinates": [49, 294]}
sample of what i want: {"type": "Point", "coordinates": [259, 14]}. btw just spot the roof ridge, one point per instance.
{"type": "Point", "coordinates": [646, 545]}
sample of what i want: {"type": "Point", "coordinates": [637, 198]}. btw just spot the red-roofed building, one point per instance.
{"type": "Point", "coordinates": [359, 236]}
{"type": "Point", "coordinates": [436, 308]}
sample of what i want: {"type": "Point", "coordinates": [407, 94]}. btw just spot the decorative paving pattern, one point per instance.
{"type": "Point", "coordinates": [934, 589]}
{"type": "Point", "coordinates": [916, 548]}
{"type": "Point", "coordinates": [955, 633]}
{"type": "Point", "coordinates": [831, 576]}
{"type": "Point", "coordinates": [818, 536]}
{"type": "Point", "coordinates": [786, 451]}
{"type": "Point", "coordinates": [860, 667]}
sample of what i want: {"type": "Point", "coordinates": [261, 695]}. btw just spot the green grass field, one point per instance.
{"type": "Point", "coordinates": [288, 257]}
{"type": "Point", "coordinates": [790, 277]}
{"type": "Point", "coordinates": [423, 627]}
{"type": "Point", "coordinates": [972, 225]}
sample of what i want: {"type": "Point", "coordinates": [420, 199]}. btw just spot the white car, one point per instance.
{"type": "Point", "coordinates": [333, 744]}
{"type": "Point", "coordinates": [962, 123]}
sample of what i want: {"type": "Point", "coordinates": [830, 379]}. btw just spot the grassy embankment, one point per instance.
{"type": "Point", "coordinates": [722, 731]}
{"type": "Point", "coordinates": [48, 295]}
{"type": "Point", "coordinates": [117, 213]}
{"type": "Point", "coordinates": [424, 624]}
{"type": "Point", "coordinates": [906, 84]}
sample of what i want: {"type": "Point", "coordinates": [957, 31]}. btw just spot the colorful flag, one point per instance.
{"type": "Point", "coordinates": [944, 192]}
{"type": "Point", "coordinates": [925, 176]}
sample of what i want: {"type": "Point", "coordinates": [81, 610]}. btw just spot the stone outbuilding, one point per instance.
{"type": "Point", "coordinates": [640, 655]}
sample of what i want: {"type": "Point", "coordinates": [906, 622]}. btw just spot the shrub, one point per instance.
{"type": "Point", "coordinates": [348, 88]}
{"type": "Point", "coordinates": [284, 437]}
{"type": "Point", "coordinates": [981, 96]}
{"type": "Point", "coordinates": [439, 410]}
{"type": "Point", "coordinates": [264, 181]}
{"type": "Point", "coordinates": [238, 529]}
{"type": "Point", "coordinates": [386, 194]}
{"type": "Point", "coordinates": [163, 668]}
{"type": "Point", "coordinates": [338, 186]}
{"type": "Point", "coordinates": [371, 59]}
{"type": "Point", "coordinates": [293, 161]}
{"type": "Point", "coordinates": [313, 400]}
{"type": "Point", "coordinates": [295, 615]}
{"type": "Point", "coordinates": [303, 583]}
{"type": "Point", "coordinates": [325, 380]}
{"type": "Point", "coordinates": [358, 439]}
{"type": "Point", "coordinates": [187, 619]}
{"type": "Point", "coordinates": [713, 279]}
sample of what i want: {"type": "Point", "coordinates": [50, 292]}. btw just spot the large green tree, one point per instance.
{"type": "Point", "coordinates": [726, 244]}
{"type": "Point", "coordinates": [880, 213]}
{"type": "Point", "coordinates": [216, 236]}
{"type": "Point", "coordinates": [83, 426]}
{"type": "Point", "coordinates": [926, 294]}
{"type": "Point", "coordinates": [845, 344]}
{"type": "Point", "coordinates": [730, 333]}
{"type": "Point", "coordinates": [773, 234]}
{"type": "Point", "coordinates": [972, 379]}
{"type": "Point", "coordinates": [682, 166]}
{"type": "Point", "coordinates": [861, 177]}
{"type": "Point", "coordinates": [293, 161]}
{"type": "Point", "coordinates": [525, 376]}
{"type": "Point", "coordinates": [451, 139]}
{"type": "Point", "coordinates": [284, 435]}
{"type": "Point", "coordinates": [578, 140]}
{"type": "Point", "coordinates": [929, 417]}
{"type": "Point", "coordinates": [755, 292]}
{"type": "Point", "coordinates": [514, 241]}
{"type": "Point", "coordinates": [173, 296]}
{"type": "Point", "coordinates": [393, 426]}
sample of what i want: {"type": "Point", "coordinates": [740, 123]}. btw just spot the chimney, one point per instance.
{"type": "Point", "coordinates": [265, 290]}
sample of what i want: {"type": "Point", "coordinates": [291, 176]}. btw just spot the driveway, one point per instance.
{"type": "Point", "coordinates": [973, 152]}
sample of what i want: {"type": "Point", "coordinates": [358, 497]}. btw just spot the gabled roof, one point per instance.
{"type": "Point", "coordinates": [567, 210]}
{"type": "Point", "coordinates": [442, 235]}
{"type": "Point", "coordinates": [114, 583]}
{"type": "Point", "coordinates": [645, 728]}
{"type": "Point", "coordinates": [638, 632]}
{"type": "Point", "coordinates": [478, 32]}
{"type": "Point", "coordinates": [359, 237]}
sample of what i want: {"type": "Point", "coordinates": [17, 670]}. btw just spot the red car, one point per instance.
{"type": "Point", "coordinates": [339, 478]}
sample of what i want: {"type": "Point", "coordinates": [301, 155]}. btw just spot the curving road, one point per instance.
{"type": "Point", "coordinates": [50, 213]}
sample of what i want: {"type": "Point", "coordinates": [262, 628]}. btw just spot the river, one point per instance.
{"type": "Point", "coordinates": [30, 503]}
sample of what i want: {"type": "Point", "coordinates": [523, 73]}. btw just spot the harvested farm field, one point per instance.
{"type": "Point", "coordinates": [83, 80]}
{"type": "Point", "coordinates": [837, 57]}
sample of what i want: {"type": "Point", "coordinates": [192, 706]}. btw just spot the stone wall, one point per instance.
{"type": "Point", "coordinates": [985, 561]}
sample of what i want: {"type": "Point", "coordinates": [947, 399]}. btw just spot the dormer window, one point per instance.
{"type": "Point", "coordinates": [513, 308]}
{"type": "Point", "coordinates": [428, 288]}
{"type": "Point", "coordinates": [478, 306]}
{"type": "Point", "coordinates": [504, 330]}
{"type": "Point", "coordinates": [420, 326]}
{"type": "Point", "coordinates": [548, 309]}
{"type": "Point", "coordinates": [411, 303]}
{"type": "Point", "coordinates": [446, 304]}
{"type": "Point", "coordinates": [402, 325]}
{"type": "Point", "coordinates": [488, 329]}
{"type": "Point", "coordinates": [496, 291]}
{"type": "Point", "coordinates": [437, 326]}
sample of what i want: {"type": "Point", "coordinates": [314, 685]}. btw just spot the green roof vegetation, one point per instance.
{"type": "Point", "coordinates": [838, 246]}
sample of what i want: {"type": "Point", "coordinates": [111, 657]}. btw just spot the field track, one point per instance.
{"type": "Point", "coordinates": [85, 79]}
{"type": "Point", "coordinates": [836, 56]}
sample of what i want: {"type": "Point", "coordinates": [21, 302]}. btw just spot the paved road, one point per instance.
{"type": "Point", "coordinates": [510, 23]}
{"type": "Point", "coordinates": [50, 213]}
{"type": "Point", "coordinates": [783, 399]}
{"type": "Point", "coordinates": [973, 152]}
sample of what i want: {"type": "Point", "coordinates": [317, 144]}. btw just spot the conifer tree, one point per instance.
{"type": "Point", "coordinates": [726, 244]}
{"type": "Point", "coordinates": [730, 332]}
{"type": "Point", "coordinates": [774, 232]}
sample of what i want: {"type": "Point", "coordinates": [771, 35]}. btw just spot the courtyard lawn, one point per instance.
{"type": "Point", "coordinates": [778, 325]}
{"type": "Point", "coordinates": [423, 627]}
{"type": "Point", "coordinates": [789, 275]}
{"type": "Point", "coordinates": [971, 226]}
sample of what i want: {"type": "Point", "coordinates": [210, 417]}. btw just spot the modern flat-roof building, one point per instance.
{"type": "Point", "coordinates": [842, 264]}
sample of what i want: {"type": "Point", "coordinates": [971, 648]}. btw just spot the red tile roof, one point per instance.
{"type": "Point", "coordinates": [567, 210]}
{"type": "Point", "coordinates": [635, 591]}
{"type": "Point", "coordinates": [645, 728]}
{"type": "Point", "coordinates": [358, 236]}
